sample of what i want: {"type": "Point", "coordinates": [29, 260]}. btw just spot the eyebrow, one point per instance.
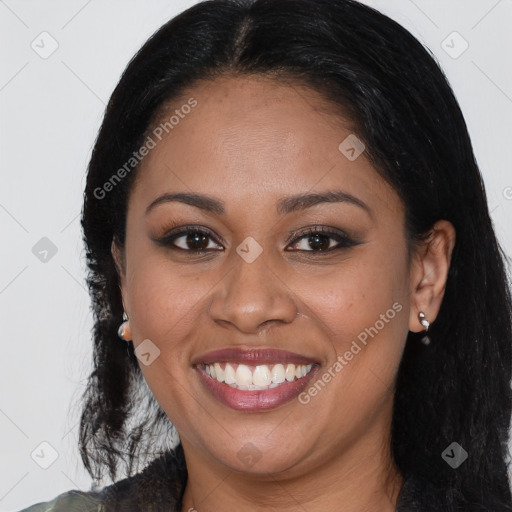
{"type": "Point", "coordinates": [286, 205]}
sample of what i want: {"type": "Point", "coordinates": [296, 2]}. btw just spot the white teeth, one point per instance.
{"type": "Point", "coordinates": [278, 374]}
{"type": "Point", "coordinates": [290, 372]}
{"type": "Point", "coordinates": [229, 374]}
{"type": "Point", "coordinates": [259, 377]}
{"type": "Point", "coordinates": [243, 375]}
{"type": "Point", "coordinates": [219, 372]}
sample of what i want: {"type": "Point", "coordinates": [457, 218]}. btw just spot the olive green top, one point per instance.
{"type": "Point", "coordinates": [70, 501]}
{"type": "Point", "coordinates": [158, 488]}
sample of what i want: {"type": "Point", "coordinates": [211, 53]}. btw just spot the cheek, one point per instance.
{"type": "Point", "coordinates": [362, 307]}
{"type": "Point", "coordinates": [164, 301]}
{"type": "Point", "coordinates": [351, 298]}
{"type": "Point", "coordinates": [165, 307]}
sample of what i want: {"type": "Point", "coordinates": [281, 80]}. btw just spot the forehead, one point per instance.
{"type": "Point", "coordinates": [249, 138]}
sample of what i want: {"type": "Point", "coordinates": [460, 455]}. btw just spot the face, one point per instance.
{"type": "Point", "coordinates": [290, 258]}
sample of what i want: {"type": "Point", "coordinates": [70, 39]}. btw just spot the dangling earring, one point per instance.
{"type": "Point", "coordinates": [124, 331]}
{"type": "Point", "coordinates": [423, 321]}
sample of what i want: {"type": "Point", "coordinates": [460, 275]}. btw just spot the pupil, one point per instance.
{"type": "Point", "coordinates": [194, 241]}
{"type": "Point", "coordinates": [321, 242]}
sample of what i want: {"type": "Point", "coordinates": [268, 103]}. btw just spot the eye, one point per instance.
{"type": "Point", "coordinates": [322, 239]}
{"type": "Point", "coordinates": [318, 239]}
{"type": "Point", "coordinates": [191, 239]}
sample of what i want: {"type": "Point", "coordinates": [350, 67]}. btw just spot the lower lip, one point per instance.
{"type": "Point", "coordinates": [255, 400]}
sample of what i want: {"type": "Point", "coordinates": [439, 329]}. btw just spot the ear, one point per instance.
{"type": "Point", "coordinates": [429, 273]}
{"type": "Point", "coordinates": [120, 263]}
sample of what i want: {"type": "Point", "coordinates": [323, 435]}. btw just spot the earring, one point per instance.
{"type": "Point", "coordinates": [124, 331]}
{"type": "Point", "coordinates": [423, 321]}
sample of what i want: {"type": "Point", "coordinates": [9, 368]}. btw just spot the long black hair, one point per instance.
{"type": "Point", "coordinates": [457, 389]}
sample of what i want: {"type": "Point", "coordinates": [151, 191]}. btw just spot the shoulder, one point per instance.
{"type": "Point", "coordinates": [70, 501]}
{"type": "Point", "coordinates": [159, 487]}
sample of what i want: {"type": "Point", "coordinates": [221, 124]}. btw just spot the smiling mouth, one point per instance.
{"type": "Point", "coordinates": [256, 378]}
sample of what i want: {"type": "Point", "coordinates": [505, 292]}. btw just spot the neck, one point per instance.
{"type": "Point", "coordinates": [362, 478]}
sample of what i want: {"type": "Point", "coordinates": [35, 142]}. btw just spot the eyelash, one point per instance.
{"type": "Point", "coordinates": [343, 240]}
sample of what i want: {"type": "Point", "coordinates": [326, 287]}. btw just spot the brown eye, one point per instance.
{"type": "Point", "coordinates": [191, 240]}
{"type": "Point", "coordinates": [322, 240]}
{"type": "Point", "coordinates": [196, 241]}
{"type": "Point", "coordinates": [319, 242]}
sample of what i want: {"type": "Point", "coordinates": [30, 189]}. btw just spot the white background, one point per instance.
{"type": "Point", "coordinates": [51, 110]}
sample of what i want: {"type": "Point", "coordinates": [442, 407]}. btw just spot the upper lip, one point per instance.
{"type": "Point", "coordinates": [252, 356]}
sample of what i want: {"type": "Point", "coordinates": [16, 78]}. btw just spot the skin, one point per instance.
{"type": "Point", "coordinates": [249, 143]}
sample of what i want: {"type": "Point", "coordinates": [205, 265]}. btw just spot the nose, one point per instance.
{"type": "Point", "coordinates": [251, 297]}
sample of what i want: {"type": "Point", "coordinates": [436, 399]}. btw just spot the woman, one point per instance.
{"type": "Point", "coordinates": [282, 200]}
